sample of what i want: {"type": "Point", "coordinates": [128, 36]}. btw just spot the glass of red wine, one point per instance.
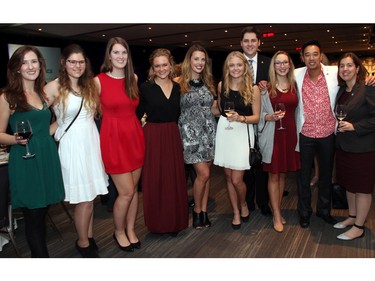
{"type": "Point", "coordinates": [24, 130]}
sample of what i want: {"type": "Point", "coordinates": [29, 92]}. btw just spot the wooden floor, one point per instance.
{"type": "Point", "coordinates": [255, 239]}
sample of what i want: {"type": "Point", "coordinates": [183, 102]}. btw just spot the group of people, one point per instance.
{"type": "Point", "coordinates": [187, 123]}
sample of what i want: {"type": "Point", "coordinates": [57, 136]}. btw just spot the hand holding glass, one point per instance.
{"type": "Point", "coordinates": [24, 130]}
{"type": "Point", "coordinates": [229, 111]}
{"type": "Point", "coordinates": [340, 111]}
{"type": "Point", "coordinates": [280, 111]}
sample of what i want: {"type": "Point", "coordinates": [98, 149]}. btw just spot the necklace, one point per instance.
{"type": "Point", "coordinates": [115, 77]}
{"type": "Point", "coordinates": [282, 89]}
{"type": "Point", "coordinates": [77, 94]}
{"type": "Point", "coordinates": [196, 83]}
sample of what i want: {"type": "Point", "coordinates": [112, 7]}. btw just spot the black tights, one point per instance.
{"type": "Point", "coordinates": [35, 230]}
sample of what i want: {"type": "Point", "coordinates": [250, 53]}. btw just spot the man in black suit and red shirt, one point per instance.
{"type": "Point", "coordinates": [250, 42]}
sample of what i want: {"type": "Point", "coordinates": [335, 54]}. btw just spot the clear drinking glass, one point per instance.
{"type": "Point", "coordinates": [24, 130]}
{"type": "Point", "coordinates": [229, 110]}
{"type": "Point", "coordinates": [280, 111]}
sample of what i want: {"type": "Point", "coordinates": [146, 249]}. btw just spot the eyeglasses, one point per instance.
{"type": "Point", "coordinates": [280, 63]}
{"type": "Point", "coordinates": [75, 62]}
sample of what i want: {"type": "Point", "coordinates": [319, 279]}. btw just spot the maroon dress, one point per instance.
{"type": "Point", "coordinates": [284, 156]}
{"type": "Point", "coordinates": [163, 176]}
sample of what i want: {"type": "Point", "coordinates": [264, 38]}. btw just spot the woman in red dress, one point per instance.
{"type": "Point", "coordinates": [278, 145]}
{"type": "Point", "coordinates": [121, 137]}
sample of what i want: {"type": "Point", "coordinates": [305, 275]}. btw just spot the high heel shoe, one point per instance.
{"type": "Point", "coordinates": [87, 252]}
{"type": "Point", "coordinates": [197, 220]}
{"type": "Point", "coordinates": [205, 221]}
{"type": "Point", "coordinates": [93, 244]}
{"type": "Point", "coordinates": [128, 248]}
{"type": "Point", "coordinates": [245, 219]}
{"type": "Point", "coordinates": [347, 238]}
{"type": "Point", "coordinates": [340, 225]}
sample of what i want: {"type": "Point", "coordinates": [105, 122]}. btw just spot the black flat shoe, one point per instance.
{"type": "Point", "coordinates": [327, 218]}
{"type": "Point", "coordinates": [136, 245]}
{"type": "Point", "coordinates": [245, 219]}
{"type": "Point", "coordinates": [128, 248]}
{"type": "Point", "coordinates": [236, 226]}
{"type": "Point", "coordinates": [87, 252]}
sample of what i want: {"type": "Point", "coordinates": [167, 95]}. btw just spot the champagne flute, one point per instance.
{"type": "Point", "coordinates": [340, 111]}
{"type": "Point", "coordinates": [229, 111]}
{"type": "Point", "coordinates": [24, 130]}
{"type": "Point", "coordinates": [280, 111]}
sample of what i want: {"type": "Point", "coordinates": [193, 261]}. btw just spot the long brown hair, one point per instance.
{"type": "Point", "coordinates": [14, 92]}
{"type": "Point", "coordinates": [131, 87]}
{"type": "Point", "coordinates": [362, 71]}
{"type": "Point", "coordinates": [186, 72]}
{"type": "Point", "coordinates": [89, 91]}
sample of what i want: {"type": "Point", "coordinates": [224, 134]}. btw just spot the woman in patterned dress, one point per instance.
{"type": "Point", "coordinates": [197, 126]}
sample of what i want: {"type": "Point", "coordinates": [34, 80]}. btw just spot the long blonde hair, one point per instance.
{"type": "Point", "coordinates": [186, 72]}
{"type": "Point", "coordinates": [273, 77]}
{"type": "Point", "coordinates": [89, 91]}
{"type": "Point", "coordinates": [246, 89]}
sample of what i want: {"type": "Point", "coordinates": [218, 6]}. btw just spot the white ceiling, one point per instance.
{"type": "Point", "coordinates": [334, 38]}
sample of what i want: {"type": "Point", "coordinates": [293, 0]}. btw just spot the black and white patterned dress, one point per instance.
{"type": "Point", "coordinates": [197, 124]}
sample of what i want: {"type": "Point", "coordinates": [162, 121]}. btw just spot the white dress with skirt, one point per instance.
{"type": "Point", "coordinates": [232, 146]}
{"type": "Point", "coordinates": [79, 151]}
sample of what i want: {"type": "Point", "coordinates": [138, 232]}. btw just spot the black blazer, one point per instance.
{"type": "Point", "coordinates": [361, 113]}
{"type": "Point", "coordinates": [263, 67]}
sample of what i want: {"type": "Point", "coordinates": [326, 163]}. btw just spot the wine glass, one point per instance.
{"type": "Point", "coordinates": [340, 111]}
{"type": "Point", "coordinates": [229, 111]}
{"type": "Point", "coordinates": [24, 130]}
{"type": "Point", "coordinates": [280, 111]}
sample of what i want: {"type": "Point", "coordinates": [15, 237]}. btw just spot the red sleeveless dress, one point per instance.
{"type": "Point", "coordinates": [121, 136]}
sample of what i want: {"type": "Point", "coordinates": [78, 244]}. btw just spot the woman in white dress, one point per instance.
{"type": "Point", "coordinates": [232, 141]}
{"type": "Point", "coordinates": [79, 149]}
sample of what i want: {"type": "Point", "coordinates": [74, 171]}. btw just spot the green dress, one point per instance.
{"type": "Point", "coordinates": [35, 182]}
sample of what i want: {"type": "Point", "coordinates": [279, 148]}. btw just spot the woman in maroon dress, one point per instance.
{"type": "Point", "coordinates": [278, 145]}
{"type": "Point", "coordinates": [163, 176]}
{"type": "Point", "coordinates": [355, 144]}
{"type": "Point", "coordinates": [121, 137]}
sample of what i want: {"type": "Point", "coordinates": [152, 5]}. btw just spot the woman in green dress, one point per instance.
{"type": "Point", "coordinates": [35, 182]}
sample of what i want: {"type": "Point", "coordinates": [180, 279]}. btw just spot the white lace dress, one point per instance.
{"type": "Point", "coordinates": [79, 151]}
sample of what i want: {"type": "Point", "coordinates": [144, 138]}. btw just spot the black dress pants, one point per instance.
{"type": "Point", "coordinates": [35, 230]}
{"type": "Point", "coordinates": [324, 147]}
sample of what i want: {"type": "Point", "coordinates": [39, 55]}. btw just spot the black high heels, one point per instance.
{"type": "Point", "coordinates": [87, 252]}
{"type": "Point", "coordinates": [128, 248]}
{"type": "Point", "coordinates": [197, 220]}
{"type": "Point", "coordinates": [205, 221]}
{"type": "Point", "coordinates": [236, 226]}
{"type": "Point", "coordinates": [93, 244]}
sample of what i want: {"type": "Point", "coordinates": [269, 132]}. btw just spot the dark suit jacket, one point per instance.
{"type": "Point", "coordinates": [263, 68]}
{"type": "Point", "coordinates": [361, 113]}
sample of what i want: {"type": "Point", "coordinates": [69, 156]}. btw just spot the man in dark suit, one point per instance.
{"type": "Point", "coordinates": [255, 179]}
